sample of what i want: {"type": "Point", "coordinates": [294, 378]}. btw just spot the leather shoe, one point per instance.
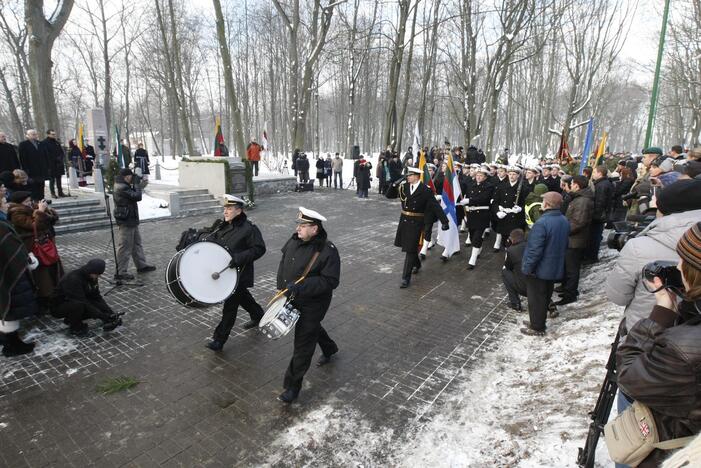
{"type": "Point", "coordinates": [516, 307]}
{"type": "Point", "coordinates": [404, 284]}
{"type": "Point", "coordinates": [566, 300]}
{"type": "Point", "coordinates": [215, 345]}
{"type": "Point", "coordinates": [470, 266]}
{"type": "Point", "coordinates": [324, 359]}
{"type": "Point", "coordinates": [124, 276]}
{"type": "Point", "coordinates": [288, 396]}
{"type": "Point", "coordinates": [146, 269]}
{"type": "Point", "coordinates": [422, 256]}
{"type": "Point", "coordinates": [251, 324]}
{"type": "Point", "coordinates": [111, 324]}
{"type": "Point", "coordinates": [531, 332]}
{"type": "Point", "coordinates": [416, 269]}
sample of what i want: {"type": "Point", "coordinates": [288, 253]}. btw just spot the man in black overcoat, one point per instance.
{"type": "Point", "coordinates": [245, 243]}
{"type": "Point", "coordinates": [8, 155]}
{"type": "Point", "coordinates": [34, 162]}
{"type": "Point", "coordinates": [418, 202]}
{"type": "Point", "coordinates": [55, 158]}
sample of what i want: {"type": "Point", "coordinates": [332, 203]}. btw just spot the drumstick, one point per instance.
{"type": "Point", "coordinates": [282, 293]}
{"type": "Point", "coordinates": [216, 274]}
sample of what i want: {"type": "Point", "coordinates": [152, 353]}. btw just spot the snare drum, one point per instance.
{"type": "Point", "coordinates": [279, 319]}
{"type": "Point", "coordinates": [190, 279]}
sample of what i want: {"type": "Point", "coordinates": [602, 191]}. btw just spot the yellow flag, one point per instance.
{"type": "Point", "coordinates": [602, 148]}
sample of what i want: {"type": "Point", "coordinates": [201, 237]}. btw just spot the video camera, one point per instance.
{"type": "Point", "coordinates": [623, 231]}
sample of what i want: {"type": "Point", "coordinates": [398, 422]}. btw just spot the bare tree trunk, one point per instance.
{"type": "Point", "coordinates": [407, 85]}
{"type": "Point", "coordinates": [14, 115]}
{"type": "Point", "coordinates": [389, 136]}
{"type": "Point", "coordinates": [182, 99]}
{"type": "Point", "coordinates": [42, 34]}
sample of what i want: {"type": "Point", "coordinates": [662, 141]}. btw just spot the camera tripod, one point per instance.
{"type": "Point", "coordinates": [117, 282]}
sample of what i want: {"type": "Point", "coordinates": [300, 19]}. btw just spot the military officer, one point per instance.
{"type": "Point", "coordinates": [508, 203]}
{"type": "Point", "coordinates": [477, 204]}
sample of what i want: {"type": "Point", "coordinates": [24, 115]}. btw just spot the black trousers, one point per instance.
{"type": "Point", "coordinates": [428, 232]}
{"type": "Point", "coordinates": [411, 260]}
{"type": "Point", "coordinates": [573, 263]}
{"type": "Point", "coordinates": [476, 237]}
{"type": "Point", "coordinates": [596, 231]}
{"type": "Point", "coordinates": [241, 297]}
{"type": "Point", "coordinates": [54, 183]}
{"type": "Point", "coordinates": [254, 166]}
{"type": "Point", "coordinates": [539, 293]}
{"type": "Point", "coordinates": [514, 289]}
{"type": "Point", "coordinates": [75, 312]}
{"type": "Point", "coordinates": [37, 189]}
{"type": "Point", "coordinates": [308, 332]}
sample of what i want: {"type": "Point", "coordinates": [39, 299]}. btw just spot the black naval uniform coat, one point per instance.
{"type": "Point", "coordinates": [479, 195]}
{"type": "Point", "coordinates": [424, 204]}
{"type": "Point", "coordinates": [505, 196]}
{"type": "Point", "coordinates": [312, 300]}
{"type": "Point", "coordinates": [244, 242]}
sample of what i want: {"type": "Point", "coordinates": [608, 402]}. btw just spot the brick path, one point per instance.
{"type": "Point", "coordinates": [401, 352]}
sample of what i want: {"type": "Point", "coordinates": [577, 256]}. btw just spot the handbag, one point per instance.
{"type": "Point", "coordinates": [633, 435]}
{"type": "Point", "coordinates": [44, 249]}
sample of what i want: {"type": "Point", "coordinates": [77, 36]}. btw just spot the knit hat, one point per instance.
{"type": "Point", "coordinates": [689, 246]}
{"type": "Point", "coordinates": [680, 196]}
{"type": "Point", "coordinates": [691, 168]}
{"type": "Point", "coordinates": [95, 266]}
{"type": "Point", "coordinates": [540, 189]}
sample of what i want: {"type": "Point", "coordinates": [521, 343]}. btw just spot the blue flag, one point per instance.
{"type": "Point", "coordinates": [587, 145]}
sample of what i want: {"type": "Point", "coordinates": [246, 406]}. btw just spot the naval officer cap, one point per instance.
{"type": "Point", "coordinates": [515, 169]}
{"type": "Point", "coordinates": [231, 200]}
{"type": "Point", "coordinates": [413, 170]}
{"type": "Point", "coordinates": [307, 216]}
{"type": "Point", "coordinates": [484, 169]}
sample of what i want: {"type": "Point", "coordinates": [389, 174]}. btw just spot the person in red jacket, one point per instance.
{"type": "Point", "coordinates": [253, 154]}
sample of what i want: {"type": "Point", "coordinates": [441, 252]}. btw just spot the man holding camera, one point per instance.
{"type": "Point", "coordinates": [245, 243]}
{"type": "Point", "coordinates": [127, 194]}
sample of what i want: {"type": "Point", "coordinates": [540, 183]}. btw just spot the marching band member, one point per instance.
{"type": "Point", "coordinates": [418, 201]}
{"type": "Point", "coordinates": [477, 203]}
{"type": "Point", "coordinates": [245, 243]}
{"type": "Point", "coordinates": [308, 251]}
{"type": "Point", "coordinates": [508, 203]}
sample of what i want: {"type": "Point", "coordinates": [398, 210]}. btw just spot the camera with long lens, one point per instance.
{"type": "Point", "coordinates": [667, 272]}
{"type": "Point", "coordinates": [623, 231]}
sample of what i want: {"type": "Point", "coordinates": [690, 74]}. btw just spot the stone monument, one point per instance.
{"type": "Point", "coordinates": [99, 136]}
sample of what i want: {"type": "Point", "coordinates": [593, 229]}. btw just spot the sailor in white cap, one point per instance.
{"type": "Point", "coordinates": [245, 243]}
{"type": "Point", "coordinates": [477, 206]}
{"type": "Point", "coordinates": [508, 203]}
{"type": "Point", "coordinates": [418, 203]}
{"type": "Point", "coordinates": [531, 177]}
{"type": "Point", "coordinates": [309, 271]}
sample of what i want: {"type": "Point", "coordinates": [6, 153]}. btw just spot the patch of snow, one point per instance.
{"type": "Point", "coordinates": [55, 345]}
{"type": "Point", "coordinates": [3, 425]}
{"type": "Point", "coordinates": [476, 297]}
{"type": "Point", "coordinates": [70, 372]}
{"type": "Point", "coordinates": [150, 207]}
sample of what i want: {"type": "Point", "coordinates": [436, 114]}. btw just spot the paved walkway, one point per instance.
{"type": "Point", "coordinates": [402, 351]}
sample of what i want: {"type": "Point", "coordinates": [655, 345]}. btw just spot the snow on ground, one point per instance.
{"type": "Point", "coordinates": [150, 207]}
{"type": "Point", "coordinates": [525, 403]}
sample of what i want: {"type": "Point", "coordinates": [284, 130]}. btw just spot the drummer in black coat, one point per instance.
{"type": "Point", "coordinates": [311, 296]}
{"type": "Point", "coordinates": [507, 206]}
{"type": "Point", "coordinates": [245, 243]}
{"type": "Point", "coordinates": [418, 202]}
{"type": "Point", "coordinates": [477, 206]}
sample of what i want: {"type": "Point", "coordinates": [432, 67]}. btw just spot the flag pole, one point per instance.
{"type": "Point", "coordinates": [656, 82]}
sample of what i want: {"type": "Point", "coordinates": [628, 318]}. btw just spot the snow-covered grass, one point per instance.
{"type": "Point", "coordinates": [524, 404]}
{"type": "Point", "coordinates": [150, 207]}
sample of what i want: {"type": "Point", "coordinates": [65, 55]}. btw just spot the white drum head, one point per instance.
{"type": "Point", "coordinates": [272, 311]}
{"type": "Point", "coordinates": [196, 266]}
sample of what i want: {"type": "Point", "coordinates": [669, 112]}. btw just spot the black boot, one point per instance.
{"type": "Point", "coordinates": [14, 346]}
{"type": "Point", "coordinates": [111, 323]}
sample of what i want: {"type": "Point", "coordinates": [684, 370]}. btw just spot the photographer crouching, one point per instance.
{"type": "Point", "coordinates": [659, 362]}
{"type": "Point", "coordinates": [127, 194]}
{"type": "Point", "coordinates": [77, 298]}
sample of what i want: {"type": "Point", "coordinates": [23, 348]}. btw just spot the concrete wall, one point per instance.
{"type": "Point", "coordinates": [206, 175]}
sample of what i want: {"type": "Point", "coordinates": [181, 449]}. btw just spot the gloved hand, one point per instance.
{"type": "Point", "coordinates": [501, 214]}
{"type": "Point", "coordinates": [33, 262]}
{"type": "Point", "coordinates": [516, 209]}
{"type": "Point", "coordinates": [445, 227]}
{"type": "Point", "coordinates": [501, 208]}
{"type": "Point", "coordinates": [292, 289]}
{"type": "Point", "coordinates": [233, 264]}
{"type": "Point", "coordinates": [464, 201]}
{"type": "Point", "coordinates": [438, 197]}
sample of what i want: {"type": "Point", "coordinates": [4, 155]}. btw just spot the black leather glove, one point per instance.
{"type": "Point", "coordinates": [233, 264]}
{"type": "Point", "coordinates": [445, 227]}
{"type": "Point", "coordinates": [292, 289]}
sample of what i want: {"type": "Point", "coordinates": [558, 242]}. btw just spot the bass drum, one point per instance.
{"type": "Point", "coordinates": [191, 273]}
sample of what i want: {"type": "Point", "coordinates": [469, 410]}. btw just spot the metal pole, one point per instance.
{"type": "Point", "coordinates": [656, 82]}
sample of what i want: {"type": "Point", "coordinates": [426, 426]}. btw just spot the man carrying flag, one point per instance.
{"type": "Point", "coordinates": [418, 201]}
{"type": "Point", "coordinates": [449, 238]}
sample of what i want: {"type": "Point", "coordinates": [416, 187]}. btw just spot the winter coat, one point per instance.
{"type": "Point", "coordinates": [8, 157]}
{"type": "Point", "coordinates": [624, 285]}
{"type": "Point", "coordinates": [23, 218]}
{"type": "Point", "coordinates": [579, 214]}
{"type": "Point", "coordinates": [363, 177]}
{"type": "Point", "coordinates": [424, 204]}
{"type": "Point", "coordinates": [505, 196]}
{"type": "Point", "coordinates": [395, 169]}
{"type": "Point", "coordinates": [668, 178]}
{"type": "Point", "coordinates": [55, 156]}
{"type": "Point", "coordinates": [244, 242]}
{"type": "Point", "coordinates": [514, 259]}
{"type": "Point", "coordinates": [141, 160]}
{"type": "Point", "coordinates": [302, 164]}
{"type": "Point", "coordinates": [33, 160]}
{"type": "Point", "coordinates": [253, 152]}
{"type": "Point", "coordinates": [620, 188]}
{"type": "Point", "coordinates": [327, 167]}
{"type": "Point", "coordinates": [320, 168]}
{"type": "Point", "coordinates": [603, 200]}
{"type": "Point", "coordinates": [480, 196]}
{"type": "Point", "coordinates": [337, 164]}
{"type": "Point", "coordinates": [78, 286]}
{"type": "Point", "coordinates": [126, 198]}
{"type": "Point", "coordinates": [316, 290]}
{"type": "Point", "coordinates": [659, 365]}
{"type": "Point", "coordinates": [546, 247]}
{"type": "Point", "coordinates": [17, 291]}
{"type": "Point", "coordinates": [295, 157]}
{"type": "Point", "coordinates": [473, 156]}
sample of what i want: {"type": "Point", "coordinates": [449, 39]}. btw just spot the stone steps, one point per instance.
{"type": "Point", "coordinates": [83, 214]}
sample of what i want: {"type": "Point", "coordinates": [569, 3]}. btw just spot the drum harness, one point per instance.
{"type": "Point", "coordinates": [306, 271]}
